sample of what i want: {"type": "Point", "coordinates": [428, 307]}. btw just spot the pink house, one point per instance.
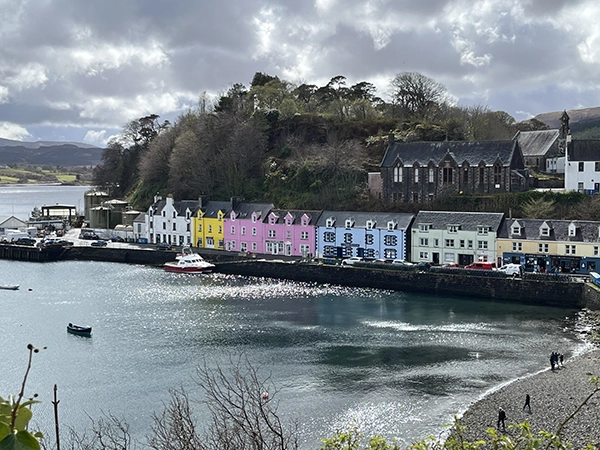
{"type": "Point", "coordinates": [290, 232]}
{"type": "Point", "coordinates": [243, 227]}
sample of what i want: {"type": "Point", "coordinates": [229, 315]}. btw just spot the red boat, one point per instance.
{"type": "Point", "coordinates": [189, 262]}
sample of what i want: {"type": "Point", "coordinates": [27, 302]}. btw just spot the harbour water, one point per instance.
{"type": "Point", "coordinates": [390, 363]}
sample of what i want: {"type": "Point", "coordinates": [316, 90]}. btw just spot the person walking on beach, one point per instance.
{"type": "Point", "coordinates": [561, 360]}
{"type": "Point", "coordinates": [527, 403]}
{"type": "Point", "coordinates": [501, 418]}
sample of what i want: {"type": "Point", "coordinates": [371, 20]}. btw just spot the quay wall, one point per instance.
{"type": "Point", "coordinates": [541, 292]}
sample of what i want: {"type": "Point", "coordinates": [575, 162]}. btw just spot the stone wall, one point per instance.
{"type": "Point", "coordinates": [541, 292]}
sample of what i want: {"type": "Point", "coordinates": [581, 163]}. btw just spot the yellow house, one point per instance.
{"type": "Point", "coordinates": [209, 228]}
{"type": "Point", "coordinates": [568, 246]}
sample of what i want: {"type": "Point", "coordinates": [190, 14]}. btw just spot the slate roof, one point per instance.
{"type": "Point", "coordinates": [538, 143]}
{"type": "Point", "coordinates": [181, 206]}
{"type": "Point", "coordinates": [212, 208]}
{"type": "Point", "coordinates": [469, 221]}
{"type": "Point", "coordinates": [297, 214]}
{"type": "Point", "coordinates": [244, 210]}
{"type": "Point", "coordinates": [584, 150]}
{"type": "Point", "coordinates": [588, 231]}
{"type": "Point", "coordinates": [381, 219]}
{"type": "Point", "coordinates": [471, 152]}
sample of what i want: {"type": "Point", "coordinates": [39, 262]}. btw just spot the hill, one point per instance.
{"type": "Point", "coordinates": [584, 123]}
{"type": "Point", "coordinates": [67, 154]}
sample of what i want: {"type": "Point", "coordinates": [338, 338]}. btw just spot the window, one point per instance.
{"type": "Point", "coordinates": [449, 242]}
{"type": "Point", "coordinates": [517, 246]}
{"type": "Point", "coordinates": [253, 231]}
{"type": "Point", "coordinates": [328, 250]}
{"type": "Point", "coordinates": [232, 230]}
{"type": "Point", "coordinates": [243, 231]}
{"type": "Point", "coordinates": [469, 244]}
{"type": "Point", "coordinates": [369, 239]}
{"type": "Point", "coordinates": [482, 174]}
{"type": "Point", "coordinates": [461, 243]}
{"type": "Point", "coordinates": [453, 228]}
{"type": "Point", "coordinates": [424, 242]}
{"type": "Point", "coordinates": [572, 230]}
{"type": "Point", "coordinates": [398, 174]}
{"type": "Point", "coordinates": [436, 242]}
{"type": "Point", "coordinates": [482, 245]}
{"type": "Point", "coordinates": [424, 255]}
{"type": "Point", "coordinates": [304, 236]}
{"type": "Point", "coordinates": [390, 240]}
{"type": "Point", "coordinates": [542, 248]}
{"type": "Point", "coordinates": [545, 231]}
{"type": "Point", "coordinates": [483, 230]}
{"type": "Point", "coordinates": [416, 172]}
{"type": "Point", "coordinates": [220, 229]}
{"type": "Point", "coordinates": [515, 230]}
{"type": "Point", "coordinates": [424, 227]}
{"type": "Point", "coordinates": [164, 226]}
{"type": "Point", "coordinates": [349, 223]}
{"type": "Point", "coordinates": [244, 247]}
{"type": "Point", "coordinates": [596, 250]}
{"type": "Point", "coordinates": [431, 175]}
{"type": "Point", "coordinates": [174, 214]}
{"type": "Point", "coordinates": [370, 224]}
{"type": "Point", "coordinates": [570, 249]}
{"type": "Point", "coordinates": [597, 166]}
{"type": "Point", "coordinates": [232, 245]}
{"type": "Point", "coordinates": [329, 223]}
{"type": "Point", "coordinates": [447, 175]}
{"type": "Point", "coordinates": [581, 166]}
{"type": "Point", "coordinates": [389, 253]}
{"type": "Point", "coordinates": [288, 234]}
{"type": "Point", "coordinates": [580, 186]}
{"type": "Point", "coordinates": [210, 228]}
{"type": "Point", "coordinates": [329, 236]}
{"type": "Point", "coordinates": [174, 226]}
{"type": "Point", "coordinates": [271, 233]}
{"type": "Point", "coordinates": [497, 175]}
{"type": "Point", "coordinates": [466, 175]}
{"type": "Point", "coordinates": [254, 246]}
{"type": "Point", "coordinates": [348, 238]}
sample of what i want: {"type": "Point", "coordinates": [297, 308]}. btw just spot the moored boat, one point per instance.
{"type": "Point", "coordinates": [81, 331]}
{"type": "Point", "coordinates": [189, 262]}
{"type": "Point", "coordinates": [10, 287]}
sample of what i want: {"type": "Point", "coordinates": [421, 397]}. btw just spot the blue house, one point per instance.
{"type": "Point", "coordinates": [371, 235]}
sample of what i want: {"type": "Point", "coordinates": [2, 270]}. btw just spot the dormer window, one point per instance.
{"type": "Point", "coordinates": [545, 231]}
{"type": "Point", "coordinates": [288, 221]}
{"type": "Point", "coordinates": [453, 228]}
{"type": "Point", "coordinates": [515, 230]}
{"type": "Point", "coordinates": [330, 222]}
{"type": "Point", "coordinates": [272, 220]}
{"type": "Point", "coordinates": [424, 227]}
{"type": "Point", "coordinates": [370, 224]}
{"type": "Point", "coordinates": [304, 222]}
{"type": "Point", "coordinates": [349, 223]}
{"type": "Point", "coordinates": [482, 230]}
{"type": "Point", "coordinates": [391, 225]}
{"type": "Point", "coordinates": [572, 230]}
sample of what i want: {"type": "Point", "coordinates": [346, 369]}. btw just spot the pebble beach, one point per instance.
{"type": "Point", "coordinates": [555, 395]}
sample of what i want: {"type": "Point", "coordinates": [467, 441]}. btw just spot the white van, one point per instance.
{"type": "Point", "coordinates": [511, 269]}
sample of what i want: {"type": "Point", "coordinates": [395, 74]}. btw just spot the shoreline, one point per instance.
{"type": "Point", "coordinates": [555, 395]}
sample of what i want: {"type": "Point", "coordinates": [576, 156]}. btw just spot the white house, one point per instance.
{"type": "Point", "coordinates": [170, 222]}
{"type": "Point", "coordinates": [441, 237]}
{"type": "Point", "coordinates": [582, 166]}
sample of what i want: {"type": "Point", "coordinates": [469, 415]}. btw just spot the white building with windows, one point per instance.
{"type": "Point", "coordinates": [582, 166]}
{"type": "Point", "coordinates": [442, 237]}
{"type": "Point", "coordinates": [170, 222]}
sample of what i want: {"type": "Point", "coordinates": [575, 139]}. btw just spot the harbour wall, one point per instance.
{"type": "Point", "coordinates": [548, 291]}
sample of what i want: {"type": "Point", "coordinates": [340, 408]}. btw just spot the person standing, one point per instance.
{"type": "Point", "coordinates": [501, 419]}
{"type": "Point", "coordinates": [527, 403]}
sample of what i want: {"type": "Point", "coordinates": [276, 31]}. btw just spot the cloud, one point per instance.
{"type": "Point", "coordinates": [13, 131]}
{"type": "Point", "coordinates": [80, 66]}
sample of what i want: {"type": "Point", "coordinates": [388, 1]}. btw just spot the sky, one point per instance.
{"type": "Point", "coordinates": [73, 70]}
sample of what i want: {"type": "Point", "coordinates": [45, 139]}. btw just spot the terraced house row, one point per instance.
{"type": "Point", "coordinates": [437, 237]}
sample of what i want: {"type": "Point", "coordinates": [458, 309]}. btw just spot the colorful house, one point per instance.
{"type": "Point", "coordinates": [372, 235]}
{"type": "Point", "coordinates": [290, 232]}
{"type": "Point", "coordinates": [244, 230]}
{"type": "Point", "coordinates": [209, 224]}
{"type": "Point", "coordinates": [170, 222]}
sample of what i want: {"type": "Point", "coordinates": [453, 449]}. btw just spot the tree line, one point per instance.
{"type": "Point", "coordinates": [297, 146]}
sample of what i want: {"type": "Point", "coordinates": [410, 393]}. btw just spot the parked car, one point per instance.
{"type": "Point", "coordinates": [481, 266]}
{"type": "Point", "coordinates": [450, 266]}
{"type": "Point", "coordinates": [512, 269]}
{"type": "Point", "coordinates": [402, 262]}
{"type": "Point", "coordinates": [88, 236]}
{"type": "Point", "coordinates": [163, 246]}
{"type": "Point", "coordinates": [99, 243]}
{"type": "Point", "coordinates": [25, 241]}
{"type": "Point", "coordinates": [352, 260]}
{"type": "Point", "coordinates": [117, 239]}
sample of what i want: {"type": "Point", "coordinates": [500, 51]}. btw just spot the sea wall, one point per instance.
{"type": "Point", "coordinates": [533, 291]}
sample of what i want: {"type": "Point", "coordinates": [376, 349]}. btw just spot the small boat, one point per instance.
{"type": "Point", "coordinates": [189, 262]}
{"type": "Point", "coordinates": [10, 287]}
{"type": "Point", "coordinates": [81, 331]}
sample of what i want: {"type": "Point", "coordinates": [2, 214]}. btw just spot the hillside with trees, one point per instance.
{"type": "Point", "coordinates": [297, 146]}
